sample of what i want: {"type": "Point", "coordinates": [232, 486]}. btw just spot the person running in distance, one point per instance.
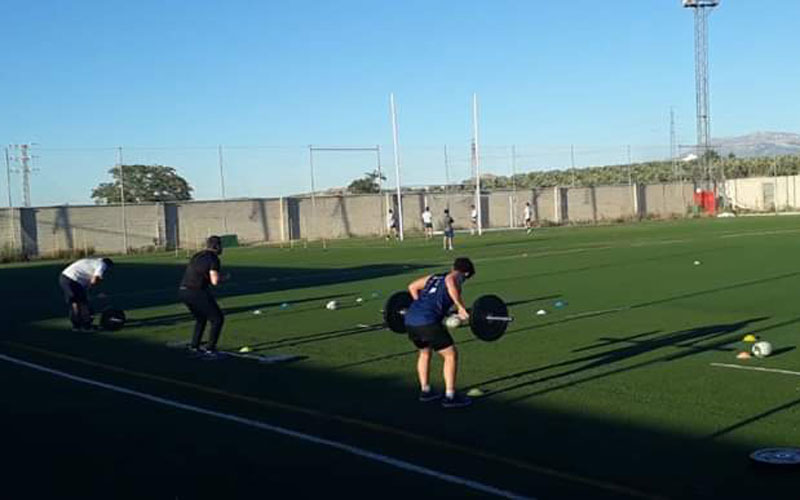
{"type": "Point", "coordinates": [473, 217]}
{"type": "Point", "coordinates": [528, 217]}
{"type": "Point", "coordinates": [433, 296]}
{"type": "Point", "coordinates": [391, 225]}
{"type": "Point", "coordinates": [203, 271]}
{"type": "Point", "coordinates": [447, 226]}
{"type": "Point", "coordinates": [427, 222]}
{"type": "Point", "coordinates": [75, 281]}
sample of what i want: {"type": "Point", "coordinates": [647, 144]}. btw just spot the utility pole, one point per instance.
{"type": "Point", "coordinates": [673, 153]}
{"type": "Point", "coordinates": [8, 177]}
{"type": "Point", "coordinates": [446, 178]}
{"type": "Point", "coordinates": [122, 200]}
{"type": "Point", "coordinates": [24, 159]}
{"type": "Point", "coordinates": [572, 160]}
{"type": "Point", "coordinates": [222, 191]}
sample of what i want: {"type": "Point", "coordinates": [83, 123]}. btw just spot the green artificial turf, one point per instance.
{"type": "Point", "coordinates": [613, 391]}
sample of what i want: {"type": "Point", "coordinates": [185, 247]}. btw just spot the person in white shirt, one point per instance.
{"type": "Point", "coordinates": [528, 217]}
{"type": "Point", "coordinates": [75, 281]}
{"type": "Point", "coordinates": [473, 215]}
{"type": "Point", "coordinates": [427, 222]}
{"type": "Point", "coordinates": [391, 225]}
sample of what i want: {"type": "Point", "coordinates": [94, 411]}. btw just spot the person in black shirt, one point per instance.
{"type": "Point", "coordinates": [204, 270]}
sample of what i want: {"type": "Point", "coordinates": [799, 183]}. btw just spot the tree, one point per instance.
{"type": "Point", "coordinates": [367, 184]}
{"type": "Point", "coordinates": [143, 183]}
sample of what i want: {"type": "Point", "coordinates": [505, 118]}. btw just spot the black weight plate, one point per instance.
{"type": "Point", "coordinates": [394, 311]}
{"type": "Point", "coordinates": [777, 456]}
{"type": "Point", "coordinates": [112, 319]}
{"type": "Point", "coordinates": [483, 328]}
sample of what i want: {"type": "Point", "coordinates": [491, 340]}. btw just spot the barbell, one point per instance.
{"type": "Point", "coordinates": [488, 318]}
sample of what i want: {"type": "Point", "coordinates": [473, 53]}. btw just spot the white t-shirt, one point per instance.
{"type": "Point", "coordinates": [390, 221]}
{"type": "Point", "coordinates": [84, 270]}
{"type": "Point", "coordinates": [527, 212]}
{"type": "Point", "coordinates": [427, 217]}
{"type": "Point", "coordinates": [474, 214]}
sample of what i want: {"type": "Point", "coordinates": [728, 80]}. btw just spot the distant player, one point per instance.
{"type": "Point", "coordinates": [473, 217]}
{"type": "Point", "coordinates": [427, 222]}
{"type": "Point", "coordinates": [434, 295]}
{"type": "Point", "coordinates": [75, 281]}
{"type": "Point", "coordinates": [204, 271]}
{"type": "Point", "coordinates": [447, 226]}
{"type": "Point", "coordinates": [528, 217]}
{"type": "Point", "coordinates": [391, 225]}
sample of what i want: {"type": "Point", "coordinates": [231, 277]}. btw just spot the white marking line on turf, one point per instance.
{"type": "Point", "coordinates": [353, 450]}
{"type": "Point", "coordinates": [756, 369]}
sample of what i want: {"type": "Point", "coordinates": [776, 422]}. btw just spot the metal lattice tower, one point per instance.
{"type": "Point", "coordinates": [24, 160]}
{"type": "Point", "coordinates": [701, 10]}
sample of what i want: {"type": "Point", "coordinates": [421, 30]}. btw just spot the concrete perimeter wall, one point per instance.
{"type": "Point", "coordinates": [51, 230]}
{"type": "Point", "coordinates": [764, 193]}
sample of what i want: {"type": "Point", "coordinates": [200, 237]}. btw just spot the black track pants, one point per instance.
{"type": "Point", "coordinates": [204, 308]}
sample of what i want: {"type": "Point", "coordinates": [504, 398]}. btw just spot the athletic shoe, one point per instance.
{"type": "Point", "coordinates": [457, 401]}
{"type": "Point", "coordinates": [209, 355]}
{"type": "Point", "coordinates": [428, 396]}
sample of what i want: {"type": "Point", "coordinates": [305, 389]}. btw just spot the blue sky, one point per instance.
{"type": "Point", "coordinates": [169, 81]}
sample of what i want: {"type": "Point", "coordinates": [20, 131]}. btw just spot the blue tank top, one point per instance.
{"type": "Point", "coordinates": [433, 304]}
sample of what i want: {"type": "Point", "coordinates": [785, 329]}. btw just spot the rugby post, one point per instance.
{"type": "Point", "coordinates": [397, 165]}
{"type": "Point", "coordinates": [477, 160]}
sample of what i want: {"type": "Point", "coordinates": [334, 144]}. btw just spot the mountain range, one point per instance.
{"type": "Point", "coordinates": [758, 144]}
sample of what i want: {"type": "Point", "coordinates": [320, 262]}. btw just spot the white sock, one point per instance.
{"type": "Point", "coordinates": [426, 388]}
{"type": "Point", "coordinates": [450, 394]}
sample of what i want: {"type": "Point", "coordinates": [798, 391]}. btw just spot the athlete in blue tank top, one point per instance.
{"type": "Point", "coordinates": [433, 302]}
{"type": "Point", "coordinates": [433, 296]}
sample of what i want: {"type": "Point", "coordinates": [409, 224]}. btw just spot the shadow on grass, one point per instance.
{"type": "Point", "coordinates": [33, 293]}
{"type": "Point", "coordinates": [136, 448]}
{"type": "Point", "coordinates": [692, 341]}
{"type": "Point", "coordinates": [290, 306]}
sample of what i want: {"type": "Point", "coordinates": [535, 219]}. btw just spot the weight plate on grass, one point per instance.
{"type": "Point", "coordinates": [395, 309]}
{"type": "Point", "coordinates": [777, 456]}
{"type": "Point", "coordinates": [484, 309]}
{"type": "Point", "coordinates": [112, 319]}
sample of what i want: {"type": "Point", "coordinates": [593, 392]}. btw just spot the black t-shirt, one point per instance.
{"type": "Point", "coordinates": [196, 275]}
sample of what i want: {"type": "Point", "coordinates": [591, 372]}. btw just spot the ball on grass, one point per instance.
{"type": "Point", "coordinates": [761, 349]}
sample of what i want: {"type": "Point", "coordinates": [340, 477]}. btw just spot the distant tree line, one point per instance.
{"type": "Point", "coordinates": [652, 172]}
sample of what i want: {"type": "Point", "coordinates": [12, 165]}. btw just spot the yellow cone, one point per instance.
{"type": "Point", "coordinates": [749, 338]}
{"type": "Point", "coordinates": [245, 349]}
{"type": "Point", "coordinates": [743, 355]}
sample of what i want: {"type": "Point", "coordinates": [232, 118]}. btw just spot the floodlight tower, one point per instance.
{"type": "Point", "coordinates": [701, 10]}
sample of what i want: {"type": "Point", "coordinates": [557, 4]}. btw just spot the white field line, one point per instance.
{"type": "Point", "coordinates": [759, 233]}
{"type": "Point", "coordinates": [756, 369]}
{"type": "Point", "coordinates": [353, 450]}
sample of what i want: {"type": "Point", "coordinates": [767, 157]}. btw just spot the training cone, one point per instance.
{"type": "Point", "coordinates": [541, 312]}
{"type": "Point", "coordinates": [743, 355]}
{"type": "Point", "coordinates": [474, 392]}
{"type": "Point", "coordinates": [245, 349]}
{"type": "Point", "coordinates": [749, 338]}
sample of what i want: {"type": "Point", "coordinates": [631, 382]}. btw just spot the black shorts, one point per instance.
{"type": "Point", "coordinates": [434, 336]}
{"type": "Point", "coordinates": [74, 293]}
{"type": "Point", "coordinates": [428, 225]}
